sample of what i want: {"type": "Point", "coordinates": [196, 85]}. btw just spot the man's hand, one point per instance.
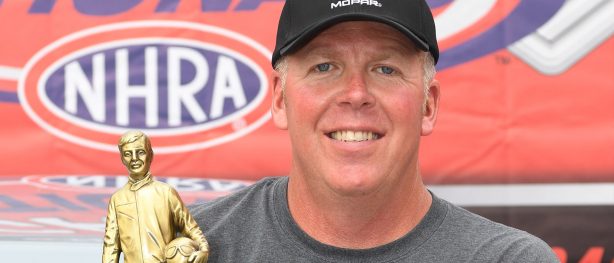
{"type": "Point", "coordinates": [199, 257]}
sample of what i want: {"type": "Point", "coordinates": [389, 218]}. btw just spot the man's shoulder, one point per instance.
{"type": "Point", "coordinates": [490, 240]}
{"type": "Point", "coordinates": [241, 226]}
{"type": "Point", "coordinates": [477, 225]}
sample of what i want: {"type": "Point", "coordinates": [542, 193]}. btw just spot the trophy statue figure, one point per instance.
{"type": "Point", "coordinates": [145, 215]}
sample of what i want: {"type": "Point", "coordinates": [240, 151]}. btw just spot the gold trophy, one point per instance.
{"type": "Point", "coordinates": [145, 215]}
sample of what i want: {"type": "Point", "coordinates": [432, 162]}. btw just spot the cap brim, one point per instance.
{"type": "Point", "coordinates": [315, 29]}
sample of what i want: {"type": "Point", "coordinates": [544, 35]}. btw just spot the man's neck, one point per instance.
{"type": "Point", "coordinates": [358, 222]}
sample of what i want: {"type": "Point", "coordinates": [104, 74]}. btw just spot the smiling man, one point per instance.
{"type": "Point", "coordinates": [145, 215]}
{"type": "Point", "coordinates": [354, 87]}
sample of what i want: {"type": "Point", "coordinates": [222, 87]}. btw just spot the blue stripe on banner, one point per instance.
{"type": "Point", "coordinates": [167, 6]}
{"type": "Point", "coordinates": [6, 96]}
{"type": "Point", "coordinates": [525, 19]}
{"type": "Point", "coordinates": [41, 6]}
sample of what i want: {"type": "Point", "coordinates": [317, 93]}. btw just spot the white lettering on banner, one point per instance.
{"type": "Point", "coordinates": [95, 181]}
{"type": "Point", "coordinates": [149, 91]}
{"type": "Point", "coordinates": [93, 94]}
{"type": "Point", "coordinates": [227, 85]}
{"type": "Point", "coordinates": [184, 94]}
{"type": "Point", "coordinates": [219, 185]}
{"type": "Point", "coordinates": [355, 2]}
{"type": "Point", "coordinates": [186, 184]}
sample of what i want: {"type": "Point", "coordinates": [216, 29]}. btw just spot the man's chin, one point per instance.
{"type": "Point", "coordinates": [354, 188]}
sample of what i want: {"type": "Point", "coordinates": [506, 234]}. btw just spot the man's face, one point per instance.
{"type": "Point", "coordinates": [353, 108]}
{"type": "Point", "coordinates": [136, 158]}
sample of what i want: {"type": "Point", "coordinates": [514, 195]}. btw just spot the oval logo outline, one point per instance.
{"type": "Point", "coordinates": [254, 47]}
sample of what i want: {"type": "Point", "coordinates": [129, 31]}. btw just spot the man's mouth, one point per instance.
{"type": "Point", "coordinates": [353, 136]}
{"type": "Point", "coordinates": [135, 165]}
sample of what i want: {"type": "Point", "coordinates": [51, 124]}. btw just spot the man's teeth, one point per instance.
{"type": "Point", "coordinates": [354, 136]}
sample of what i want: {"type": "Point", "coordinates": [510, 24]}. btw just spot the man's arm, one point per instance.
{"type": "Point", "coordinates": [111, 247]}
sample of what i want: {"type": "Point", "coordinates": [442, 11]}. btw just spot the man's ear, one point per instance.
{"type": "Point", "coordinates": [432, 106]}
{"type": "Point", "coordinates": [278, 107]}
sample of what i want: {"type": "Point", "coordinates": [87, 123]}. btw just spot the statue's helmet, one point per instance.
{"type": "Point", "coordinates": [179, 250]}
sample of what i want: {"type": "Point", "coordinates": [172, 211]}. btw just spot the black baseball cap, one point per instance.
{"type": "Point", "coordinates": [302, 20]}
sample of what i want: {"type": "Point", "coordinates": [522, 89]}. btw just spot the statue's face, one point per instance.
{"type": "Point", "coordinates": [136, 158]}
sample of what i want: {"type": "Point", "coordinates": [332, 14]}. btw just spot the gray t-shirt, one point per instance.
{"type": "Point", "coordinates": [255, 225]}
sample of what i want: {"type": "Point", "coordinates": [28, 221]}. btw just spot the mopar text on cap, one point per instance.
{"type": "Point", "coordinates": [355, 2]}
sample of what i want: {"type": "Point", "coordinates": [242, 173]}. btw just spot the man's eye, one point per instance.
{"type": "Point", "coordinates": [127, 154]}
{"type": "Point", "coordinates": [323, 67]}
{"type": "Point", "coordinates": [141, 152]}
{"type": "Point", "coordinates": [385, 70]}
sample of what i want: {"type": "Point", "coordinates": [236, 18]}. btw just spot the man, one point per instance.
{"type": "Point", "coordinates": [353, 85]}
{"type": "Point", "coordinates": [145, 215]}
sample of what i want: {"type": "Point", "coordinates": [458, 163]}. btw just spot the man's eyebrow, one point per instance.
{"type": "Point", "coordinates": [388, 52]}
{"type": "Point", "coordinates": [318, 50]}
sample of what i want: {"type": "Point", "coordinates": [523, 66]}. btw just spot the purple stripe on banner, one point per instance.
{"type": "Point", "coordinates": [437, 3]}
{"type": "Point", "coordinates": [252, 4]}
{"type": "Point", "coordinates": [41, 6]}
{"type": "Point", "coordinates": [167, 6]}
{"type": "Point", "coordinates": [104, 8]}
{"type": "Point", "coordinates": [6, 96]}
{"type": "Point", "coordinates": [215, 5]}
{"type": "Point", "coordinates": [525, 19]}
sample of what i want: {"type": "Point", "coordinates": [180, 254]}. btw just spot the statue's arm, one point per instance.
{"type": "Point", "coordinates": [111, 247]}
{"type": "Point", "coordinates": [186, 223]}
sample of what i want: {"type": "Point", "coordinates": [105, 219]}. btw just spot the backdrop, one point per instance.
{"type": "Point", "coordinates": [525, 134]}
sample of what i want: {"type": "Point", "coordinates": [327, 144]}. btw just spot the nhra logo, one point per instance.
{"type": "Point", "coordinates": [189, 86]}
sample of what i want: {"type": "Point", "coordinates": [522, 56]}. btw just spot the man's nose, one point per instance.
{"type": "Point", "coordinates": [355, 91]}
{"type": "Point", "coordinates": [134, 157]}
